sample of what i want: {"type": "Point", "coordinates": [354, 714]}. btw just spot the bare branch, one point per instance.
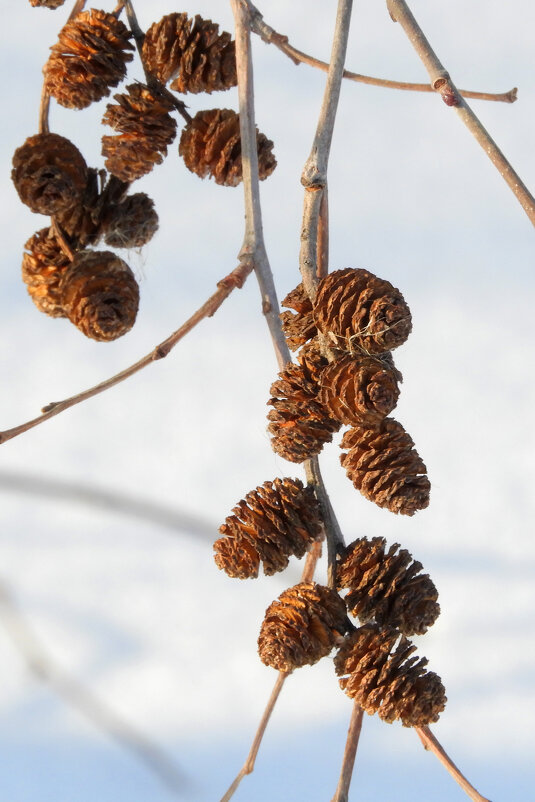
{"type": "Point", "coordinates": [234, 279]}
{"type": "Point", "coordinates": [350, 752]}
{"type": "Point", "coordinates": [270, 36]}
{"type": "Point", "coordinates": [75, 694]}
{"type": "Point", "coordinates": [430, 742]}
{"type": "Point", "coordinates": [442, 83]}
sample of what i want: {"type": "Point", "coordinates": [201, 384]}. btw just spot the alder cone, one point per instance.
{"type": "Point", "coordinates": [193, 50]}
{"type": "Point", "coordinates": [389, 682]}
{"type": "Point", "coordinates": [277, 520]}
{"type": "Point", "coordinates": [384, 466]}
{"type": "Point", "coordinates": [355, 309]}
{"type": "Point", "coordinates": [47, 3]}
{"type": "Point", "coordinates": [42, 269]}
{"type": "Point", "coordinates": [49, 173]}
{"type": "Point", "coordinates": [142, 116]}
{"type": "Point", "coordinates": [210, 145]}
{"type": "Point", "coordinates": [131, 223]}
{"type": "Point", "coordinates": [387, 587]}
{"type": "Point", "coordinates": [301, 626]}
{"type": "Point", "coordinates": [359, 390]}
{"type": "Point", "coordinates": [298, 423]}
{"type": "Point", "coordinates": [88, 59]}
{"type": "Point", "coordinates": [100, 295]}
{"type": "Point", "coordinates": [298, 327]}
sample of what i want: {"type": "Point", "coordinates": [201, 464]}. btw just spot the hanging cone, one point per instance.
{"type": "Point", "coordinates": [299, 327]}
{"type": "Point", "coordinates": [387, 588]}
{"type": "Point", "coordinates": [146, 127]}
{"type": "Point", "coordinates": [390, 683]}
{"type": "Point", "coordinates": [193, 50]}
{"type": "Point", "coordinates": [360, 390]}
{"type": "Point", "coordinates": [131, 223]}
{"type": "Point", "coordinates": [89, 58]}
{"type": "Point", "coordinates": [355, 309]}
{"type": "Point", "coordinates": [277, 520]}
{"type": "Point", "coordinates": [301, 627]}
{"type": "Point", "coordinates": [385, 467]}
{"type": "Point", "coordinates": [42, 269]}
{"type": "Point", "coordinates": [49, 173]}
{"type": "Point", "coordinates": [211, 146]}
{"type": "Point", "coordinates": [100, 295]}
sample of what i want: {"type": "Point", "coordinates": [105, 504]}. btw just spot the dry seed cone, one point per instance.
{"type": "Point", "coordinates": [211, 146]}
{"type": "Point", "coordinates": [299, 327]}
{"type": "Point", "coordinates": [89, 58]}
{"type": "Point", "coordinates": [146, 127]}
{"type": "Point", "coordinates": [275, 521]}
{"type": "Point", "coordinates": [100, 295]}
{"type": "Point", "coordinates": [359, 390]}
{"type": "Point", "coordinates": [389, 682]}
{"type": "Point", "coordinates": [42, 269]}
{"type": "Point", "coordinates": [201, 58]}
{"type": "Point", "coordinates": [387, 587]}
{"type": "Point", "coordinates": [385, 467]}
{"type": "Point", "coordinates": [355, 309]}
{"type": "Point", "coordinates": [301, 626]}
{"type": "Point", "coordinates": [47, 3]}
{"type": "Point", "coordinates": [298, 423]}
{"type": "Point", "coordinates": [131, 223]}
{"type": "Point", "coordinates": [49, 173]}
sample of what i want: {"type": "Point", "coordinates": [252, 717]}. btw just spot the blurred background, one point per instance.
{"type": "Point", "coordinates": [129, 660]}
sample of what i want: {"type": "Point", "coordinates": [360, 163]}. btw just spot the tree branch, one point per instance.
{"type": "Point", "coordinates": [350, 752]}
{"type": "Point", "coordinates": [442, 83]}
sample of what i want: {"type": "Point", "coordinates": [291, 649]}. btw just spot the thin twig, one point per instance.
{"type": "Point", "coordinates": [334, 537]}
{"type": "Point", "coordinates": [430, 743]}
{"type": "Point", "coordinates": [234, 280]}
{"type": "Point", "coordinates": [322, 249]}
{"type": "Point", "coordinates": [270, 36]}
{"type": "Point", "coordinates": [350, 752]}
{"type": "Point", "coordinates": [442, 83]}
{"type": "Point", "coordinates": [75, 694]}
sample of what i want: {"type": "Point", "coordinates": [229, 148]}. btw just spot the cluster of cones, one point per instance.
{"type": "Point", "coordinates": [97, 290]}
{"type": "Point", "coordinates": [384, 589]}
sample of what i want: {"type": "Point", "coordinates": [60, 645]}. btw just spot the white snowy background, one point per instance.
{"type": "Point", "coordinates": [138, 612]}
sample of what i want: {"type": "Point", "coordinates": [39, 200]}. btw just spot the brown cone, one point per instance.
{"type": "Point", "coordinates": [298, 423]}
{"type": "Point", "coordinates": [131, 223]}
{"type": "Point", "coordinates": [301, 626]}
{"type": "Point", "coordinates": [355, 309]}
{"type": "Point", "coordinates": [390, 683]}
{"type": "Point", "coordinates": [100, 295]}
{"type": "Point", "coordinates": [299, 327]}
{"type": "Point", "coordinates": [211, 146]}
{"type": "Point", "coordinates": [146, 129]}
{"type": "Point", "coordinates": [387, 588]}
{"type": "Point", "coordinates": [201, 58]}
{"type": "Point", "coordinates": [385, 467]}
{"type": "Point", "coordinates": [89, 58]}
{"type": "Point", "coordinates": [49, 173]}
{"type": "Point", "coordinates": [42, 268]}
{"type": "Point", "coordinates": [273, 522]}
{"type": "Point", "coordinates": [47, 3]}
{"type": "Point", "coordinates": [359, 390]}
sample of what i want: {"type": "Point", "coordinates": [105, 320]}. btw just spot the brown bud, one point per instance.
{"type": "Point", "coordinates": [211, 146]}
{"type": "Point", "coordinates": [385, 467]}
{"type": "Point", "coordinates": [42, 268]}
{"type": "Point", "coordinates": [100, 295]}
{"type": "Point", "coordinates": [387, 588]}
{"type": "Point", "coordinates": [390, 683]}
{"type": "Point", "coordinates": [299, 327]}
{"type": "Point", "coordinates": [89, 58]}
{"type": "Point", "coordinates": [47, 3]}
{"type": "Point", "coordinates": [355, 309]}
{"type": "Point", "coordinates": [202, 59]}
{"type": "Point", "coordinates": [142, 116]}
{"type": "Point", "coordinates": [49, 173]}
{"type": "Point", "coordinates": [131, 223]}
{"type": "Point", "coordinates": [301, 626]}
{"type": "Point", "coordinates": [358, 389]}
{"type": "Point", "coordinates": [277, 520]}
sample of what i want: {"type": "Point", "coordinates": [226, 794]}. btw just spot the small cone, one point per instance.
{"type": "Point", "coordinates": [299, 327]}
{"type": "Point", "coordinates": [47, 3]}
{"type": "Point", "coordinates": [131, 223]}
{"type": "Point", "coordinates": [42, 269]}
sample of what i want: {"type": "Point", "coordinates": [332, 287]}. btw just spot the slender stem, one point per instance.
{"type": "Point", "coordinates": [350, 752]}
{"type": "Point", "coordinates": [334, 537]}
{"type": "Point", "coordinates": [270, 36]}
{"type": "Point", "coordinates": [314, 176]}
{"type": "Point", "coordinates": [442, 83]}
{"type": "Point", "coordinates": [235, 279]}
{"type": "Point", "coordinates": [322, 249]}
{"type": "Point", "coordinates": [430, 742]}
